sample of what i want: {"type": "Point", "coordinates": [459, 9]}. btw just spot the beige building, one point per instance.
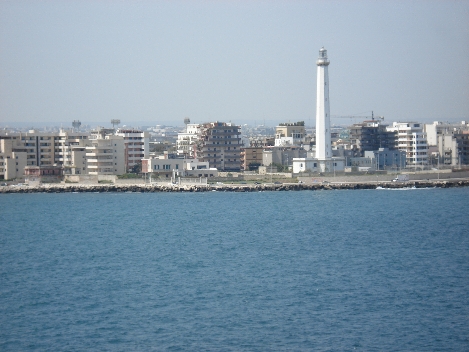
{"type": "Point", "coordinates": [251, 158]}
{"type": "Point", "coordinates": [40, 149]}
{"type": "Point", "coordinates": [136, 146]}
{"type": "Point", "coordinates": [13, 158]}
{"type": "Point", "coordinates": [106, 155]}
{"type": "Point", "coordinates": [282, 155]}
{"type": "Point", "coordinates": [290, 134]}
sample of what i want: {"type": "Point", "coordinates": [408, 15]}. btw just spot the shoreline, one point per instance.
{"type": "Point", "coordinates": [138, 188]}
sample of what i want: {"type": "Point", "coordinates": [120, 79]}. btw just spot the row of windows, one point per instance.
{"type": "Point", "coordinates": [225, 137]}
{"type": "Point", "coordinates": [222, 143]}
{"type": "Point", "coordinates": [215, 161]}
{"type": "Point", "coordinates": [165, 167]}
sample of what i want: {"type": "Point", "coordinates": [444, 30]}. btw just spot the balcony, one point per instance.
{"type": "Point", "coordinates": [100, 155]}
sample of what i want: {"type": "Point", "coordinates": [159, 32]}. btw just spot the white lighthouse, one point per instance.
{"type": "Point", "coordinates": [323, 161]}
{"type": "Point", "coordinates": [323, 128]}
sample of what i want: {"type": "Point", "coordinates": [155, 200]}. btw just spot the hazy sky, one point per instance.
{"type": "Point", "coordinates": [157, 62]}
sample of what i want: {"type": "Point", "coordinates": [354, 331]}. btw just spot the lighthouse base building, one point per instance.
{"type": "Point", "coordinates": [317, 165]}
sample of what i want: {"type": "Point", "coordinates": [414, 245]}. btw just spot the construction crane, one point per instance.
{"type": "Point", "coordinates": [373, 117]}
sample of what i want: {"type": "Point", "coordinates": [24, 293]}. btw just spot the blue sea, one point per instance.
{"type": "Point", "coordinates": [358, 270]}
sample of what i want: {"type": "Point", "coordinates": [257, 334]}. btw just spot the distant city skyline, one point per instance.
{"type": "Point", "coordinates": [149, 63]}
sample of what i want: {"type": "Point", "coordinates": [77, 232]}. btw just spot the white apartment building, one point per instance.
{"type": "Point", "coordinates": [447, 142]}
{"type": "Point", "coordinates": [165, 166]}
{"type": "Point", "coordinates": [186, 140]}
{"type": "Point", "coordinates": [447, 150]}
{"type": "Point", "coordinates": [413, 141]}
{"type": "Point", "coordinates": [435, 129]}
{"type": "Point", "coordinates": [137, 146]}
{"type": "Point", "coordinates": [162, 165]}
{"type": "Point", "coordinates": [197, 168]}
{"type": "Point", "coordinates": [106, 155]}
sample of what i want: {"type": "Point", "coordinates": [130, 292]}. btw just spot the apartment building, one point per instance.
{"type": "Point", "coordinates": [187, 139]}
{"type": "Point", "coordinates": [42, 149]}
{"type": "Point", "coordinates": [168, 166]}
{"type": "Point", "coordinates": [106, 155]}
{"type": "Point", "coordinates": [437, 128]}
{"type": "Point", "coordinates": [290, 134]}
{"type": "Point", "coordinates": [136, 146]}
{"type": "Point", "coordinates": [282, 155]}
{"type": "Point", "coordinates": [251, 158]}
{"type": "Point", "coordinates": [387, 159]}
{"type": "Point", "coordinates": [413, 141]}
{"type": "Point", "coordinates": [13, 158]}
{"type": "Point", "coordinates": [372, 135]}
{"type": "Point", "coordinates": [220, 145]}
{"type": "Point", "coordinates": [462, 140]}
{"type": "Point", "coordinates": [453, 149]}
{"type": "Point", "coordinates": [448, 141]}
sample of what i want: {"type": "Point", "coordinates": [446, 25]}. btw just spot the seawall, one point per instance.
{"type": "Point", "coordinates": [106, 188]}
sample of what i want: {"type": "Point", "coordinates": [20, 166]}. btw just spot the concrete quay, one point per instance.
{"type": "Point", "coordinates": [146, 188]}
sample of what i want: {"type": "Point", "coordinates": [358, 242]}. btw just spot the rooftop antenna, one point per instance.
{"type": "Point", "coordinates": [115, 122]}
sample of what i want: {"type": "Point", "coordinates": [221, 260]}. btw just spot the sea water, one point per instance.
{"type": "Point", "coordinates": [311, 270]}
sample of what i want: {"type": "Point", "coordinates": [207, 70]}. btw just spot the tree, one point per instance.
{"type": "Point", "coordinates": [137, 168]}
{"type": "Point", "coordinates": [254, 166]}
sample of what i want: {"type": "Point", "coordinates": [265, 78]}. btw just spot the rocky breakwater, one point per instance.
{"type": "Point", "coordinates": [77, 188]}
